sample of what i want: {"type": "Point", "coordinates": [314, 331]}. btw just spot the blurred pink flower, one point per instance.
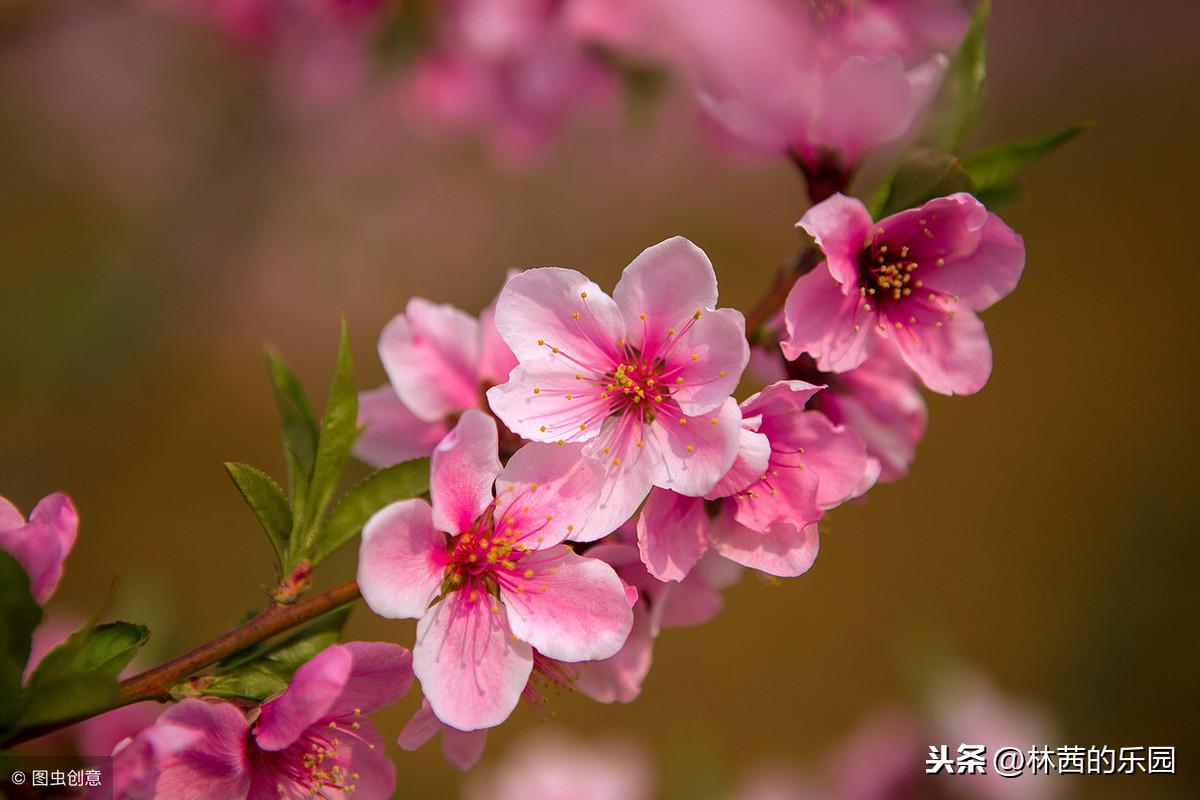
{"type": "Point", "coordinates": [792, 466]}
{"type": "Point", "coordinates": [513, 68]}
{"type": "Point", "coordinates": [41, 543]}
{"type": "Point", "coordinates": [310, 741]}
{"type": "Point", "coordinates": [463, 749]}
{"type": "Point", "coordinates": [642, 377]}
{"type": "Point", "coordinates": [439, 362]}
{"type": "Point", "coordinates": [823, 82]}
{"type": "Point", "coordinates": [456, 565]}
{"type": "Point", "coordinates": [915, 278]}
{"type": "Point", "coordinates": [555, 767]}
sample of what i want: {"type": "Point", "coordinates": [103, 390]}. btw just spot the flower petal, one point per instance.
{"type": "Point", "coordinates": [625, 486]}
{"type": "Point", "coordinates": [573, 609]}
{"type": "Point", "coordinates": [709, 359]}
{"type": "Point", "coordinates": [547, 492]}
{"type": "Point", "coordinates": [984, 273]}
{"type": "Point", "coordinates": [496, 359]}
{"type": "Point", "coordinates": [463, 749]}
{"type": "Point", "coordinates": [950, 352]}
{"type": "Point", "coordinates": [420, 728]}
{"type": "Point", "coordinates": [535, 312]}
{"type": "Point", "coordinates": [544, 401]}
{"type": "Point", "coordinates": [783, 550]}
{"type": "Point", "coordinates": [464, 467]}
{"type": "Point", "coordinates": [618, 679]}
{"type": "Point", "coordinates": [754, 453]}
{"type": "Point", "coordinates": [42, 544]}
{"type": "Point", "coordinates": [391, 432]}
{"type": "Point", "coordinates": [696, 453]}
{"type": "Point", "coordinates": [672, 534]}
{"type": "Point", "coordinates": [215, 763]}
{"type": "Point", "coordinates": [662, 288]}
{"type": "Point", "coordinates": [827, 323]}
{"type": "Point", "coordinates": [470, 667]}
{"type": "Point", "coordinates": [431, 355]}
{"type": "Point", "coordinates": [401, 560]}
{"type": "Point", "coordinates": [841, 226]}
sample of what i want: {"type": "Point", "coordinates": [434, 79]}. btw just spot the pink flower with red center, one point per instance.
{"type": "Point", "coordinates": [439, 363]}
{"type": "Point", "coordinates": [915, 278]}
{"type": "Point", "coordinates": [486, 574]}
{"type": "Point", "coordinates": [41, 543]}
{"type": "Point", "coordinates": [643, 378]}
{"type": "Point", "coordinates": [793, 465]}
{"type": "Point", "coordinates": [311, 741]}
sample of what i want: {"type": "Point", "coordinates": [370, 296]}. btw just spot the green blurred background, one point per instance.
{"type": "Point", "coordinates": [161, 217]}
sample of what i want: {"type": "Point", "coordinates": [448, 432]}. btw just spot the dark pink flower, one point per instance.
{"type": "Point", "coordinates": [642, 377]}
{"type": "Point", "coordinates": [311, 741]}
{"type": "Point", "coordinates": [915, 278]}
{"type": "Point", "coordinates": [487, 575]}
{"type": "Point", "coordinates": [41, 544]}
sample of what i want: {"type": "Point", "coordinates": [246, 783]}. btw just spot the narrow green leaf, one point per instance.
{"type": "Point", "coordinates": [995, 169]}
{"type": "Point", "coordinates": [925, 173]}
{"type": "Point", "coordinates": [264, 672]}
{"type": "Point", "coordinates": [398, 482]}
{"type": "Point", "coordinates": [19, 616]}
{"type": "Point", "coordinates": [958, 106]}
{"type": "Point", "coordinates": [268, 502]}
{"type": "Point", "coordinates": [339, 429]}
{"type": "Point", "coordinates": [79, 676]}
{"type": "Point", "coordinates": [299, 426]}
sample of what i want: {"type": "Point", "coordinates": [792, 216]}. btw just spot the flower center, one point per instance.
{"type": "Point", "coordinates": [886, 273]}
{"type": "Point", "coordinates": [319, 761]}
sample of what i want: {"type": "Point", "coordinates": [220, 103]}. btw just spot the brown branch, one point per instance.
{"type": "Point", "coordinates": [155, 684]}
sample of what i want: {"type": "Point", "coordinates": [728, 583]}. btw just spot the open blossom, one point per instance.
{"type": "Point", "coordinates": [41, 543]}
{"type": "Point", "coordinates": [439, 362]}
{"type": "Point", "coordinates": [311, 741]}
{"type": "Point", "coordinates": [513, 68]}
{"type": "Point", "coordinates": [461, 748]}
{"type": "Point", "coordinates": [915, 278]}
{"type": "Point", "coordinates": [793, 465]}
{"type": "Point", "coordinates": [487, 575]}
{"type": "Point", "coordinates": [824, 82]}
{"type": "Point", "coordinates": [643, 378]}
{"type": "Point", "coordinates": [878, 399]}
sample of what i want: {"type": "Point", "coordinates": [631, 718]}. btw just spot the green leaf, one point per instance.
{"type": "Point", "coordinates": [268, 502]}
{"type": "Point", "coordinates": [19, 616]}
{"type": "Point", "coordinates": [959, 103]}
{"type": "Point", "coordinates": [339, 429]}
{"type": "Point", "coordinates": [79, 677]}
{"type": "Point", "coordinates": [924, 173]}
{"type": "Point", "coordinates": [398, 482]}
{"type": "Point", "coordinates": [299, 426]}
{"type": "Point", "coordinates": [995, 169]}
{"type": "Point", "coordinates": [263, 672]}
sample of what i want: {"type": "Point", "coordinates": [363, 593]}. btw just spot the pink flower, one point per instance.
{"type": "Point", "coordinates": [692, 601]}
{"type": "Point", "coordinates": [915, 278]}
{"type": "Point", "coordinates": [439, 362]}
{"type": "Point", "coordinates": [513, 68]}
{"type": "Point", "coordinates": [878, 399]}
{"type": "Point", "coordinates": [555, 767]}
{"type": "Point", "coordinates": [824, 82]}
{"type": "Point", "coordinates": [793, 465]}
{"type": "Point", "coordinates": [461, 748]}
{"type": "Point", "coordinates": [643, 377]}
{"type": "Point", "coordinates": [487, 576]}
{"type": "Point", "coordinates": [41, 544]}
{"type": "Point", "coordinates": [310, 741]}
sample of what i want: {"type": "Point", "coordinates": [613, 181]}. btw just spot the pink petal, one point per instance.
{"type": "Point", "coordinates": [496, 359]}
{"type": "Point", "coordinates": [540, 402]}
{"type": "Point", "coordinates": [420, 728]}
{"type": "Point", "coordinates": [841, 227]}
{"type": "Point", "coordinates": [672, 534]}
{"type": "Point", "coordinates": [625, 484]}
{"type": "Point", "coordinates": [10, 516]}
{"type": "Point", "coordinates": [783, 550]}
{"type": "Point", "coordinates": [464, 467]}
{"type": "Point", "coordinates": [431, 354]}
{"type": "Point", "coordinates": [694, 600]}
{"type": "Point", "coordinates": [754, 453]}
{"type": "Point", "coordinates": [865, 103]}
{"type": "Point", "coordinates": [401, 560]}
{"type": "Point", "coordinates": [618, 679]}
{"type": "Point", "coordinates": [574, 608]}
{"type": "Point", "coordinates": [668, 283]}
{"type": "Point", "coordinates": [836, 454]}
{"type": "Point", "coordinates": [713, 441]}
{"type": "Point", "coordinates": [215, 763]}
{"type": "Point", "coordinates": [547, 492]}
{"type": "Point", "coordinates": [827, 323]}
{"type": "Point", "coordinates": [470, 666]}
{"type": "Point", "coordinates": [137, 761]}
{"type": "Point", "coordinates": [463, 749]}
{"type": "Point", "coordinates": [42, 544]}
{"type": "Point", "coordinates": [980, 274]}
{"type": "Point", "coordinates": [537, 306]}
{"type": "Point", "coordinates": [710, 358]}
{"type": "Point", "coordinates": [392, 433]}
{"type": "Point", "coordinates": [954, 358]}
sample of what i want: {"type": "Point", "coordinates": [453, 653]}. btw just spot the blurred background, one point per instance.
{"type": "Point", "coordinates": [163, 214]}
